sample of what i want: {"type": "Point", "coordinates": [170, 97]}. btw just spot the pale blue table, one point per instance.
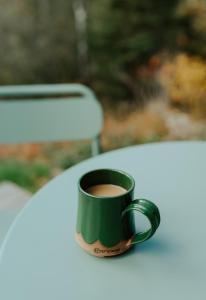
{"type": "Point", "coordinates": [41, 261]}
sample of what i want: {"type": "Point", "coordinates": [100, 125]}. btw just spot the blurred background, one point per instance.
{"type": "Point", "coordinates": [145, 60]}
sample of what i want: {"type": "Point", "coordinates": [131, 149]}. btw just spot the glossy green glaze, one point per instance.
{"type": "Point", "coordinates": [110, 219]}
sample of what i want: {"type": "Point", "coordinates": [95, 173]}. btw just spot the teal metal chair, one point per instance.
{"type": "Point", "coordinates": [56, 112]}
{"type": "Point", "coordinates": [36, 113]}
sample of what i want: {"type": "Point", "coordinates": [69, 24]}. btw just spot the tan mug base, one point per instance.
{"type": "Point", "coordinates": [97, 249]}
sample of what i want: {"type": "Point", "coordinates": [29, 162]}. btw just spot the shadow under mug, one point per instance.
{"type": "Point", "coordinates": [105, 225]}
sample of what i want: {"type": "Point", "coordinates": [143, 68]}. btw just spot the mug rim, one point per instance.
{"type": "Point", "coordinates": [107, 197]}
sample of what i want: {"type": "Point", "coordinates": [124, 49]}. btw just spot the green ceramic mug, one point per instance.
{"type": "Point", "coordinates": [105, 219]}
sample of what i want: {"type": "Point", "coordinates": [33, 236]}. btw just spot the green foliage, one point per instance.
{"type": "Point", "coordinates": [32, 175]}
{"type": "Point", "coordinates": [23, 173]}
{"type": "Point", "coordinates": [37, 42]}
{"type": "Point", "coordinates": [66, 158]}
{"type": "Point", "coordinates": [124, 35]}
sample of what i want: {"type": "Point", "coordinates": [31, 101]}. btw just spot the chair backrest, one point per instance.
{"type": "Point", "coordinates": [76, 115]}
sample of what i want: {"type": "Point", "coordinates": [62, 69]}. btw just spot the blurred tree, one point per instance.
{"type": "Point", "coordinates": [125, 34]}
{"type": "Point", "coordinates": [80, 21]}
{"type": "Point", "coordinates": [37, 41]}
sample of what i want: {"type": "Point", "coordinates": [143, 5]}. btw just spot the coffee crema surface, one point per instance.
{"type": "Point", "coordinates": [106, 190]}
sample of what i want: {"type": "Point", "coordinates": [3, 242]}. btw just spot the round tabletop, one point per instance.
{"type": "Point", "coordinates": [40, 259]}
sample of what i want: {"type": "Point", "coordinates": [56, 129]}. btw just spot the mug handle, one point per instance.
{"type": "Point", "coordinates": [151, 211]}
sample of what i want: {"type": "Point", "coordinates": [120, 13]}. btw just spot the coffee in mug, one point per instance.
{"type": "Point", "coordinates": [106, 190]}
